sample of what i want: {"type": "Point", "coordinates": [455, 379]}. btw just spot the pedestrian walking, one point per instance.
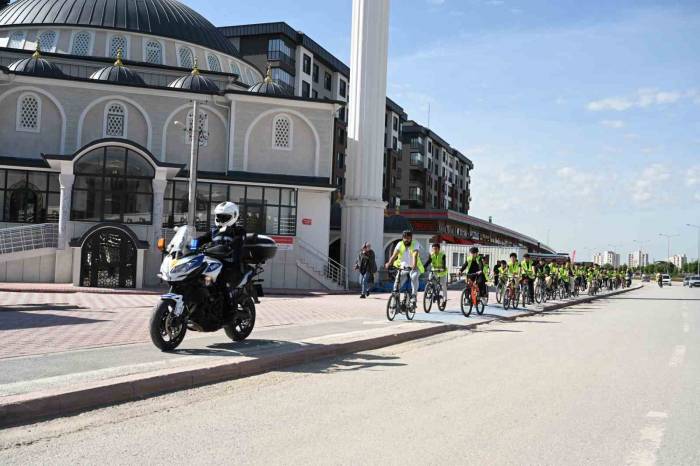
{"type": "Point", "coordinates": [366, 265]}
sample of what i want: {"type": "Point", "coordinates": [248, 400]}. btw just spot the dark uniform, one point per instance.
{"type": "Point", "coordinates": [231, 240]}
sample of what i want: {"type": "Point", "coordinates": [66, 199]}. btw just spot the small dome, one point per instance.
{"type": "Point", "coordinates": [269, 86]}
{"type": "Point", "coordinates": [195, 82]}
{"type": "Point", "coordinates": [117, 73]}
{"type": "Point", "coordinates": [36, 66]}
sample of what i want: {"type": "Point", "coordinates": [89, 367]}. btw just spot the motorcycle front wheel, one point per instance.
{"type": "Point", "coordinates": [166, 332]}
{"type": "Point", "coordinates": [240, 329]}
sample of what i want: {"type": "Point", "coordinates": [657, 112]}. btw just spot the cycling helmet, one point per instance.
{"type": "Point", "coordinates": [474, 250]}
{"type": "Point", "coordinates": [407, 234]}
{"type": "Point", "coordinates": [226, 215]}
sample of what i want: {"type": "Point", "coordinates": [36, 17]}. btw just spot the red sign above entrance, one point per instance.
{"type": "Point", "coordinates": [307, 221]}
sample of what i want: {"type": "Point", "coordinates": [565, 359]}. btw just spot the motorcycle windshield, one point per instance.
{"type": "Point", "coordinates": [180, 244]}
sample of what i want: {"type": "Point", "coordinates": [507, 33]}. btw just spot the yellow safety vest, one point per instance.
{"type": "Point", "coordinates": [402, 251]}
{"type": "Point", "coordinates": [436, 261]}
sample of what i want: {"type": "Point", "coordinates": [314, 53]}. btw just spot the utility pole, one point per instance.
{"type": "Point", "coordinates": [668, 256]}
{"type": "Point", "coordinates": [194, 152]}
{"type": "Point", "coordinates": [698, 256]}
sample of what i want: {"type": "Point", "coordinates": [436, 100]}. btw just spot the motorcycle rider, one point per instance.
{"type": "Point", "coordinates": [231, 237]}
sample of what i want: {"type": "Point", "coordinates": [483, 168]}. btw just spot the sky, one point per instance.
{"type": "Point", "coordinates": [582, 118]}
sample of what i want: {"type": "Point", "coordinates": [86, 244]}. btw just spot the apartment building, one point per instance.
{"type": "Point", "coordinates": [638, 259]}
{"type": "Point", "coordinates": [679, 260]}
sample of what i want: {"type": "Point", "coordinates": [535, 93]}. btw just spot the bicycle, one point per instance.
{"type": "Point", "coordinates": [400, 303]}
{"type": "Point", "coordinates": [540, 290]}
{"type": "Point", "coordinates": [524, 292]}
{"type": "Point", "coordinates": [472, 297]}
{"type": "Point", "coordinates": [511, 294]}
{"type": "Point", "coordinates": [433, 294]}
{"type": "Point", "coordinates": [500, 289]}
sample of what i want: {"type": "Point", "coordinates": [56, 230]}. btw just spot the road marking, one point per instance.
{"type": "Point", "coordinates": [650, 438]}
{"type": "Point", "coordinates": [677, 356]}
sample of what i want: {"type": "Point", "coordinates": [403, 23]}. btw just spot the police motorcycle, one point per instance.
{"type": "Point", "coordinates": [196, 300]}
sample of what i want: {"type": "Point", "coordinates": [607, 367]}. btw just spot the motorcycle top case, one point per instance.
{"type": "Point", "coordinates": [258, 249]}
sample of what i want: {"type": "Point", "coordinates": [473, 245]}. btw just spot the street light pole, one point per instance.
{"type": "Point", "coordinates": [668, 256]}
{"type": "Point", "coordinates": [194, 153]}
{"type": "Point", "coordinates": [698, 257]}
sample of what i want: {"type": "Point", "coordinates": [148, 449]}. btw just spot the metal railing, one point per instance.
{"type": "Point", "coordinates": [28, 238]}
{"type": "Point", "coordinates": [322, 264]}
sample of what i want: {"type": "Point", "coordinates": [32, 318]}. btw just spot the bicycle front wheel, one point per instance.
{"type": "Point", "coordinates": [465, 303]}
{"type": "Point", "coordinates": [392, 307]}
{"type": "Point", "coordinates": [410, 309]}
{"type": "Point", "coordinates": [428, 298]}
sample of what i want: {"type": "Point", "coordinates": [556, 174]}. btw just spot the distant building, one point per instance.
{"type": "Point", "coordinates": [637, 259]}
{"type": "Point", "coordinates": [607, 258]}
{"type": "Point", "coordinates": [678, 260]}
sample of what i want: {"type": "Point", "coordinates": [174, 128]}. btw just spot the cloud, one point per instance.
{"type": "Point", "coordinates": [644, 98]}
{"type": "Point", "coordinates": [647, 185]}
{"type": "Point", "coordinates": [693, 177]}
{"type": "Point", "coordinates": [565, 172]}
{"type": "Point", "coordinates": [615, 124]}
{"type": "Point", "coordinates": [435, 2]}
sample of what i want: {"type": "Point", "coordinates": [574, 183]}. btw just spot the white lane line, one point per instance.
{"type": "Point", "coordinates": [650, 438]}
{"type": "Point", "coordinates": [677, 356]}
{"type": "Point", "coordinates": [686, 328]}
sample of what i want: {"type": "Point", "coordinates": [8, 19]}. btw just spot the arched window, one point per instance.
{"type": "Point", "coordinates": [47, 41]}
{"type": "Point", "coordinates": [251, 76]}
{"type": "Point", "coordinates": [153, 52]}
{"type": "Point", "coordinates": [29, 113]}
{"type": "Point", "coordinates": [117, 43]}
{"type": "Point", "coordinates": [282, 132]}
{"type": "Point", "coordinates": [113, 184]}
{"type": "Point", "coordinates": [202, 127]}
{"type": "Point", "coordinates": [214, 64]}
{"type": "Point", "coordinates": [81, 44]}
{"type": "Point", "coordinates": [115, 120]}
{"type": "Point", "coordinates": [234, 68]}
{"type": "Point", "coordinates": [185, 57]}
{"type": "Point", "coordinates": [17, 39]}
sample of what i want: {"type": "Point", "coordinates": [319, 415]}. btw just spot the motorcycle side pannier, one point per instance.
{"type": "Point", "coordinates": [258, 249]}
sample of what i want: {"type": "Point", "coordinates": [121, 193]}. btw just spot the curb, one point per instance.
{"type": "Point", "coordinates": [33, 407]}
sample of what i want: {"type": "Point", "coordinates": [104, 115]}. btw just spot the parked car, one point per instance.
{"type": "Point", "coordinates": [645, 278]}
{"type": "Point", "coordinates": [666, 279]}
{"type": "Point", "coordinates": [694, 281]}
{"type": "Point", "coordinates": [686, 280]}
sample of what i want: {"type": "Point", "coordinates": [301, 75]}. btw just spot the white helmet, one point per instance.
{"type": "Point", "coordinates": [226, 215]}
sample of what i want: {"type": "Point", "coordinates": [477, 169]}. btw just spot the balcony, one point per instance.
{"type": "Point", "coordinates": [417, 160]}
{"type": "Point", "coordinates": [276, 55]}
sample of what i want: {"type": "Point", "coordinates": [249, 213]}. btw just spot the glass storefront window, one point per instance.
{"type": "Point", "coordinates": [262, 210]}
{"type": "Point", "coordinates": [113, 184]}
{"type": "Point", "coordinates": [27, 196]}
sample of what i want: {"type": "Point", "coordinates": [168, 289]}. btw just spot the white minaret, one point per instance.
{"type": "Point", "coordinates": [363, 208]}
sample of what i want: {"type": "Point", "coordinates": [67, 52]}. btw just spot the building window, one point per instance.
{"type": "Point", "coordinates": [17, 39]}
{"type": "Point", "coordinates": [271, 211]}
{"type": "Point", "coordinates": [153, 52]}
{"type": "Point", "coordinates": [113, 184]}
{"type": "Point", "coordinates": [277, 47]}
{"type": "Point", "coordinates": [47, 41]}
{"type": "Point", "coordinates": [115, 120]}
{"type": "Point", "coordinates": [213, 62]}
{"type": "Point", "coordinates": [394, 143]}
{"type": "Point", "coordinates": [341, 160]}
{"type": "Point", "coordinates": [185, 58]}
{"type": "Point", "coordinates": [430, 147]}
{"type": "Point", "coordinates": [202, 128]}
{"type": "Point", "coordinates": [343, 91]}
{"type": "Point", "coordinates": [251, 76]}
{"type": "Point", "coordinates": [341, 114]}
{"type": "Point", "coordinates": [283, 77]}
{"type": "Point", "coordinates": [82, 44]}
{"type": "Point", "coordinates": [315, 74]}
{"type": "Point", "coordinates": [328, 81]}
{"type": "Point", "coordinates": [117, 43]}
{"type": "Point", "coordinates": [29, 197]}
{"type": "Point", "coordinates": [305, 89]}
{"type": "Point", "coordinates": [307, 64]}
{"type": "Point", "coordinates": [29, 113]}
{"type": "Point", "coordinates": [282, 132]}
{"type": "Point", "coordinates": [396, 123]}
{"type": "Point", "coordinates": [416, 158]}
{"type": "Point", "coordinates": [233, 66]}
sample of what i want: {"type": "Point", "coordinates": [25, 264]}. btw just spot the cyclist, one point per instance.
{"type": "Point", "coordinates": [474, 265]}
{"type": "Point", "coordinates": [438, 264]}
{"type": "Point", "coordinates": [407, 255]}
{"type": "Point", "coordinates": [527, 269]}
{"type": "Point", "coordinates": [566, 273]}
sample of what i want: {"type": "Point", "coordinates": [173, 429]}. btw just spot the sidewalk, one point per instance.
{"type": "Point", "coordinates": [94, 349]}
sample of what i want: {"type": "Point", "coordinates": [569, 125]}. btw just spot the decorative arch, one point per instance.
{"type": "Point", "coordinates": [168, 122]}
{"type": "Point", "coordinates": [139, 149]}
{"type": "Point", "coordinates": [120, 98]}
{"type": "Point", "coordinates": [78, 242]}
{"type": "Point", "coordinates": [288, 111]}
{"type": "Point", "coordinates": [49, 96]}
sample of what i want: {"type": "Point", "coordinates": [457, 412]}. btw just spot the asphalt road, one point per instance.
{"type": "Point", "coordinates": [613, 382]}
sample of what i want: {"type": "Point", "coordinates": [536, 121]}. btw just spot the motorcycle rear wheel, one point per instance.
{"type": "Point", "coordinates": [241, 329]}
{"type": "Point", "coordinates": [164, 335]}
